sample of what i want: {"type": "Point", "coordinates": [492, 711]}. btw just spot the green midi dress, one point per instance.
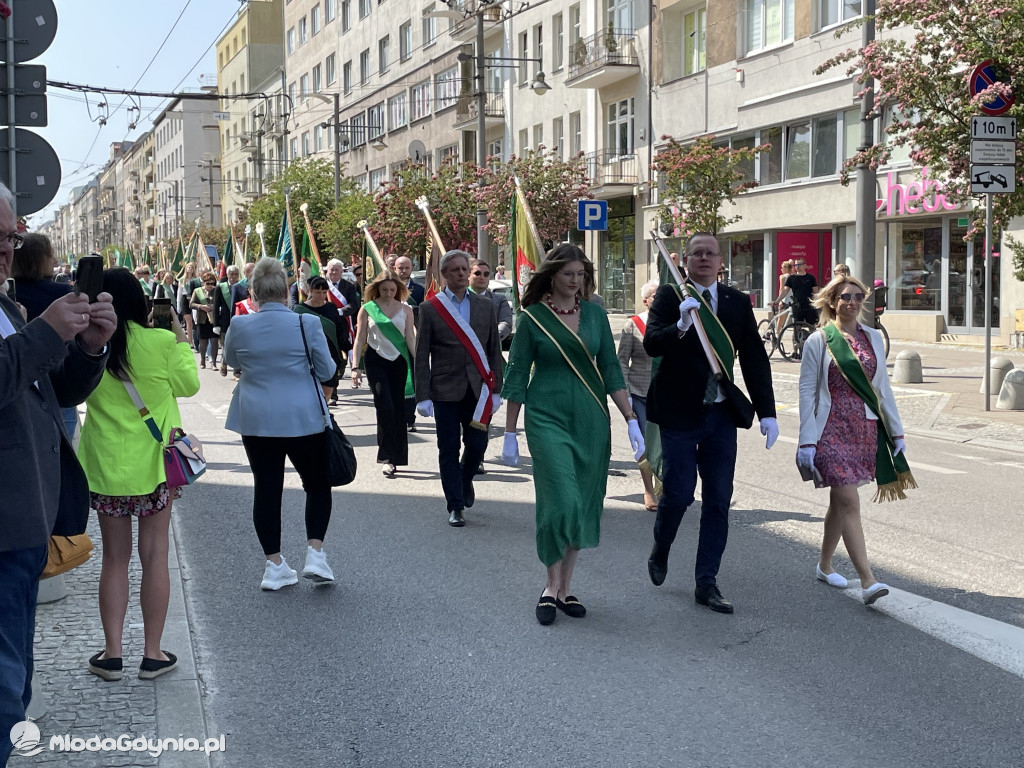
{"type": "Point", "coordinates": [567, 431]}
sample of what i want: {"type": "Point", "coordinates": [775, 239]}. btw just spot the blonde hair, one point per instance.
{"type": "Point", "coordinates": [841, 269]}
{"type": "Point", "coordinates": [828, 297]}
{"type": "Point", "coordinates": [372, 292]}
{"type": "Point", "coordinates": [787, 266]}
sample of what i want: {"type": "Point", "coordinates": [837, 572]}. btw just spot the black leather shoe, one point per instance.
{"type": "Point", "coordinates": [455, 518]}
{"type": "Point", "coordinates": [410, 428]}
{"type": "Point", "coordinates": [571, 607]}
{"type": "Point", "coordinates": [546, 610]}
{"type": "Point", "coordinates": [708, 594]}
{"type": "Point", "coordinates": [657, 565]}
{"type": "Point", "coordinates": [468, 494]}
{"type": "Point", "coordinates": [481, 470]}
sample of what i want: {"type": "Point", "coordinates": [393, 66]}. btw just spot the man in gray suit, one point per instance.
{"type": "Point", "coordinates": [458, 377]}
{"type": "Point", "coordinates": [52, 362]}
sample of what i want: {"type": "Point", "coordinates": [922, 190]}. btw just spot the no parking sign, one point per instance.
{"type": "Point", "coordinates": [983, 76]}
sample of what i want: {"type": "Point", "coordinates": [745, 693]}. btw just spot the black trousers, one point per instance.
{"type": "Point", "coordinates": [452, 422]}
{"type": "Point", "coordinates": [308, 455]}
{"type": "Point", "coordinates": [387, 382]}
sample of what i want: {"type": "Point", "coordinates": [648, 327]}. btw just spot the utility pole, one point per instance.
{"type": "Point", "coordinates": [482, 244]}
{"type": "Point", "coordinates": [865, 229]}
{"type": "Point", "coordinates": [337, 148]}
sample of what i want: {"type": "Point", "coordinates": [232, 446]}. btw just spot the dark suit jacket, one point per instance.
{"type": "Point", "coordinates": [416, 292]}
{"type": "Point", "coordinates": [37, 295]}
{"type": "Point", "coordinates": [443, 367]}
{"type": "Point", "coordinates": [676, 397]}
{"type": "Point", "coordinates": [239, 292]}
{"type": "Point", "coordinates": [223, 310]}
{"type": "Point", "coordinates": [42, 486]}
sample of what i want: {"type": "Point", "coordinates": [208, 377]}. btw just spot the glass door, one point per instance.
{"type": "Point", "coordinates": [958, 280]}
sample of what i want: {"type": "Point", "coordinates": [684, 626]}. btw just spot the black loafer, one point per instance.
{"type": "Point", "coordinates": [708, 594]}
{"type": "Point", "coordinates": [110, 670]}
{"type": "Point", "coordinates": [410, 428]}
{"type": "Point", "coordinates": [150, 668]}
{"type": "Point", "coordinates": [468, 494]}
{"type": "Point", "coordinates": [571, 607]}
{"type": "Point", "coordinates": [455, 518]}
{"type": "Point", "coordinates": [481, 470]}
{"type": "Point", "coordinates": [546, 610]}
{"type": "Point", "coordinates": [657, 565]}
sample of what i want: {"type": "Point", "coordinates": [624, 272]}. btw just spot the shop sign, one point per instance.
{"type": "Point", "coordinates": [924, 196]}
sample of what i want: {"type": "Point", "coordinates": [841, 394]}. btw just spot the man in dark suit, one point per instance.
{"type": "Point", "coordinates": [449, 385]}
{"type": "Point", "coordinates": [52, 362]}
{"type": "Point", "coordinates": [697, 415]}
{"type": "Point", "coordinates": [224, 309]}
{"type": "Point", "coordinates": [403, 268]}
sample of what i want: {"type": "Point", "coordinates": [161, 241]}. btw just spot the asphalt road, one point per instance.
{"type": "Point", "coordinates": [426, 651]}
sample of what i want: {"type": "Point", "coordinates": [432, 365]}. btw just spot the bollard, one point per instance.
{"type": "Point", "coordinates": [52, 589]}
{"type": "Point", "coordinates": [1011, 395]}
{"type": "Point", "coordinates": [998, 368]}
{"type": "Point", "coordinates": [37, 706]}
{"type": "Point", "coordinates": [907, 368]}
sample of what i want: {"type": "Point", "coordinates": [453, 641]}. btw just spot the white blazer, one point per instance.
{"type": "Point", "coordinates": [815, 399]}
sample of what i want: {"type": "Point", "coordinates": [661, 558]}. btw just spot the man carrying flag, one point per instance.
{"type": "Point", "coordinates": [345, 296]}
{"type": "Point", "coordinates": [458, 378]}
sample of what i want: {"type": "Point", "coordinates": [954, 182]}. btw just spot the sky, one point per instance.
{"type": "Point", "coordinates": [110, 43]}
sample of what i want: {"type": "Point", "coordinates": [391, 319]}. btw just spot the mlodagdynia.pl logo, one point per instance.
{"type": "Point", "coordinates": [25, 736]}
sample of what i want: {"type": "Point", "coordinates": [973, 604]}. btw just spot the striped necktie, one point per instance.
{"type": "Point", "coordinates": [711, 388]}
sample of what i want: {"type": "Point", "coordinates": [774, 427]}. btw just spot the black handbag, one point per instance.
{"type": "Point", "coordinates": [341, 456]}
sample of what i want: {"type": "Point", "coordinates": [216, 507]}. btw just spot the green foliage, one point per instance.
{"type": "Point", "coordinates": [698, 179]}
{"type": "Point", "coordinates": [338, 230]}
{"type": "Point", "coordinates": [309, 181]}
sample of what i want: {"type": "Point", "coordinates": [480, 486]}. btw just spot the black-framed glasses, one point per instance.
{"type": "Point", "coordinates": [858, 297]}
{"type": "Point", "coordinates": [14, 238]}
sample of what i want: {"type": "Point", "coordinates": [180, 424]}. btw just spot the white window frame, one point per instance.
{"type": "Point", "coordinates": [615, 120]}
{"type": "Point", "coordinates": [329, 11]}
{"type": "Point", "coordinates": [405, 41]}
{"type": "Point", "coordinates": [429, 26]}
{"type": "Point", "coordinates": [290, 38]}
{"type": "Point", "coordinates": [303, 31]}
{"type": "Point", "coordinates": [346, 16]}
{"type": "Point", "coordinates": [448, 86]}
{"type": "Point", "coordinates": [364, 67]}
{"type": "Point", "coordinates": [331, 69]}
{"type": "Point", "coordinates": [419, 98]}
{"type": "Point", "coordinates": [557, 42]}
{"type": "Point", "coordinates": [841, 9]}
{"type": "Point", "coordinates": [695, 61]}
{"type": "Point", "coordinates": [318, 78]}
{"type": "Point", "coordinates": [375, 125]}
{"type": "Point", "coordinates": [757, 15]}
{"type": "Point", "coordinates": [365, 7]}
{"type": "Point", "coordinates": [346, 74]}
{"type": "Point", "coordinates": [383, 54]}
{"type": "Point", "coordinates": [315, 21]}
{"type": "Point", "coordinates": [398, 111]}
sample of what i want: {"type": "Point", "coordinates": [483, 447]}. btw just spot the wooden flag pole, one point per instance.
{"type": "Point", "coordinates": [364, 225]}
{"type": "Point", "coordinates": [309, 234]}
{"type": "Point", "coordinates": [423, 205]}
{"type": "Point", "coordinates": [529, 218]}
{"type": "Point", "coordinates": [709, 353]}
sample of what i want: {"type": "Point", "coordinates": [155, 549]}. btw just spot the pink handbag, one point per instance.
{"type": "Point", "coordinates": [183, 454]}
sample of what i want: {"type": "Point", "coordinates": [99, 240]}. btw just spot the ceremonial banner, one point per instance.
{"type": "Point", "coordinates": [285, 244]}
{"type": "Point", "coordinates": [525, 244]}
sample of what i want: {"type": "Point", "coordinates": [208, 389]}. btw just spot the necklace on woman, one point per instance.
{"type": "Point", "coordinates": [557, 311]}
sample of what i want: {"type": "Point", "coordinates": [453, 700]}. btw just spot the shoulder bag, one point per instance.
{"type": "Point", "coordinates": [65, 553]}
{"type": "Point", "coordinates": [183, 455]}
{"type": "Point", "coordinates": [341, 456]}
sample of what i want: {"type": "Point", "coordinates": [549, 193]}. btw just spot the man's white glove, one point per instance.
{"type": "Point", "coordinates": [685, 320]}
{"type": "Point", "coordinates": [510, 450]}
{"type": "Point", "coordinates": [770, 429]}
{"type": "Point", "coordinates": [425, 409]}
{"type": "Point", "coordinates": [495, 403]}
{"type": "Point", "coordinates": [901, 446]}
{"type": "Point", "coordinates": [636, 439]}
{"type": "Point", "coordinates": [216, 330]}
{"type": "Point", "coordinates": [805, 457]}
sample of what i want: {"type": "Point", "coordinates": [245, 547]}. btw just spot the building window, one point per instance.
{"type": "Point", "coordinates": [524, 142]}
{"type": "Point", "coordinates": [770, 162]}
{"type": "Point", "coordinates": [314, 18]}
{"type": "Point", "coordinates": [318, 79]}
{"type": "Point", "coordinates": [293, 92]}
{"type": "Point", "coordinates": [524, 54]}
{"type": "Point", "coordinates": [851, 132]}
{"type": "Point", "coordinates": [346, 15]}
{"type": "Point", "coordinates": [328, 11]}
{"type": "Point", "coordinates": [330, 64]}
{"type": "Point", "coordinates": [420, 96]}
{"type": "Point", "coordinates": [304, 87]}
{"type": "Point", "coordinates": [448, 86]}
{"type": "Point", "coordinates": [769, 22]}
{"type": "Point", "coordinates": [575, 134]}
{"type": "Point", "coordinates": [496, 149]}
{"type": "Point", "coordinates": [398, 113]}
{"type": "Point", "coordinates": [318, 138]}
{"type": "Point", "coordinates": [538, 49]}
{"type": "Point", "coordinates": [538, 136]}
{"type": "Point", "coordinates": [358, 127]}
{"type": "Point", "coordinates": [558, 42]}
{"type": "Point", "coordinates": [429, 26]}
{"type": "Point", "coordinates": [835, 11]}
{"type": "Point", "coordinates": [364, 67]}
{"type": "Point", "coordinates": [824, 145]}
{"type": "Point", "coordinates": [450, 152]}
{"type": "Point", "coordinates": [694, 33]}
{"type": "Point", "coordinates": [557, 137]}
{"type": "Point", "coordinates": [375, 121]}
{"type": "Point", "coordinates": [378, 177]}
{"type": "Point", "coordinates": [303, 31]}
{"type": "Point", "coordinates": [575, 25]}
{"type": "Point", "coordinates": [346, 77]}
{"type": "Point", "coordinates": [291, 40]}
{"type": "Point", "coordinates": [384, 54]}
{"type": "Point", "coordinates": [620, 16]}
{"type": "Point", "coordinates": [405, 41]}
{"type": "Point", "coordinates": [364, 8]}
{"type": "Point", "coordinates": [620, 127]}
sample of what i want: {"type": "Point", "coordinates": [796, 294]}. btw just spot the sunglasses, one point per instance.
{"type": "Point", "coordinates": [858, 297]}
{"type": "Point", "coordinates": [478, 273]}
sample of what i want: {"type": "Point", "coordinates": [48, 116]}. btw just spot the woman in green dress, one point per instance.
{"type": "Point", "coordinates": [563, 366]}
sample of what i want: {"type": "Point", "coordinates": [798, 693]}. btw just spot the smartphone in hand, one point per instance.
{"type": "Point", "coordinates": [162, 313]}
{"type": "Point", "coordinates": [90, 277]}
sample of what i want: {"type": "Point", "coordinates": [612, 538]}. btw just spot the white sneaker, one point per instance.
{"type": "Point", "coordinates": [832, 579]}
{"type": "Point", "coordinates": [277, 576]}
{"type": "Point", "coordinates": [875, 591]}
{"type": "Point", "coordinates": [316, 568]}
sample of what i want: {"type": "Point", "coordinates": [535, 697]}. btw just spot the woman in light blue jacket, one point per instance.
{"type": "Point", "coordinates": [276, 407]}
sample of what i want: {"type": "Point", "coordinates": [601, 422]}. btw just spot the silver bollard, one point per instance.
{"type": "Point", "coordinates": [1011, 394]}
{"type": "Point", "coordinates": [52, 589]}
{"type": "Point", "coordinates": [907, 368]}
{"type": "Point", "coordinates": [997, 369]}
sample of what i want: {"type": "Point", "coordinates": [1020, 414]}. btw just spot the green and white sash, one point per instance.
{"type": "Point", "coordinates": [892, 473]}
{"type": "Point", "coordinates": [395, 336]}
{"type": "Point", "coordinates": [721, 342]}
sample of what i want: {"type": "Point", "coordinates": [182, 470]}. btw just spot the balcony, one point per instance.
{"type": "Point", "coordinates": [466, 111]}
{"type": "Point", "coordinates": [610, 171]}
{"type": "Point", "coordinates": [465, 30]}
{"type": "Point", "coordinates": [273, 128]}
{"type": "Point", "coordinates": [602, 59]}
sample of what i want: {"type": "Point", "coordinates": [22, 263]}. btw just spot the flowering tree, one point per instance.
{"type": "Point", "coordinates": [551, 185]}
{"type": "Point", "coordinates": [339, 229]}
{"type": "Point", "coordinates": [922, 62]}
{"type": "Point", "coordinates": [400, 227]}
{"type": "Point", "coordinates": [698, 179]}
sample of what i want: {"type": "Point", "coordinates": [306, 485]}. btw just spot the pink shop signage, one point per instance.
{"type": "Point", "coordinates": [923, 196]}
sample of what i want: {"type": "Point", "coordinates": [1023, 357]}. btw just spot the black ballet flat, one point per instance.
{"type": "Point", "coordinates": [571, 607]}
{"type": "Point", "coordinates": [110, 670]}
{"type": "Point", "coordinates": [150, 668]}
{"type": "Point", "coordinates": [546, 610]}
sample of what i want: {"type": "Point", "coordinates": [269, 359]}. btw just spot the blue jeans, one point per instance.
{"type": "Point", "coordinates": [70, 417]}
{"type": "Point", "coordinates": [711, 452]}
{"type": "Point", "coordinates": [452, 422]}
{"type": "Point", "coordinates": [19, 585]}
{"type": "Point", "coordinates": [640, 409]}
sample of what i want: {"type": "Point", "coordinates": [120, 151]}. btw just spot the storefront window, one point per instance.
{"type": "Point", "coordinates": [616, 262]}
{"type": "Point", "coordinates": [744, 266]}
{"type": "Point", "coordinates": [915, 265]}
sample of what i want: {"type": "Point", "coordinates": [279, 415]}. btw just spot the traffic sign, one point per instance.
{"type": "Point", "coordinates": [993, 179]}
{"type": "Point", "coordinates": [983, 76]}
{"type": "Point", "coordinates": [592, 215]}
{"type": "Point", "coordinates": [37, 167]}
{"type": "Point", "coordinates": [1004, 128]}
{"type": "Point", "coordinates": [988, 152]}
{"type": "Point", "coordinates": [35, 26]}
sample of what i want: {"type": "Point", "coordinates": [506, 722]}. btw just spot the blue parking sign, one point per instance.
{"type": "Point", "coordinates": [592, 215]}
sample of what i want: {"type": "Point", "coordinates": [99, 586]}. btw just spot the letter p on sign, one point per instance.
{"type": "Point", "coordinates": [592, 215]}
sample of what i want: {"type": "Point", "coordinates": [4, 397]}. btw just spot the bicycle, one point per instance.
{"type": "Point", "coordinates": [790, 340]}
{"type": "Point", "coordinates": [766, 329]}
{"type": "Point", "coordinates": [793, 337]}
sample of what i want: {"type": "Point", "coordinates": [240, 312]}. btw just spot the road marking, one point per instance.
{"type": "Point", "coordinates": [993, 641]}
{"type": "Point", "coordinates": [913, 464]}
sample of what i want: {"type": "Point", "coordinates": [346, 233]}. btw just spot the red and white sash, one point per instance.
{"type": "Point", "coordinates": [468, 338]}
{"type": "Point", "coordinates": [640, 321]}
{"type": "Point", "coordinates": [338, 299]}
{"type": "Point", "coordinates": [245, 307]}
